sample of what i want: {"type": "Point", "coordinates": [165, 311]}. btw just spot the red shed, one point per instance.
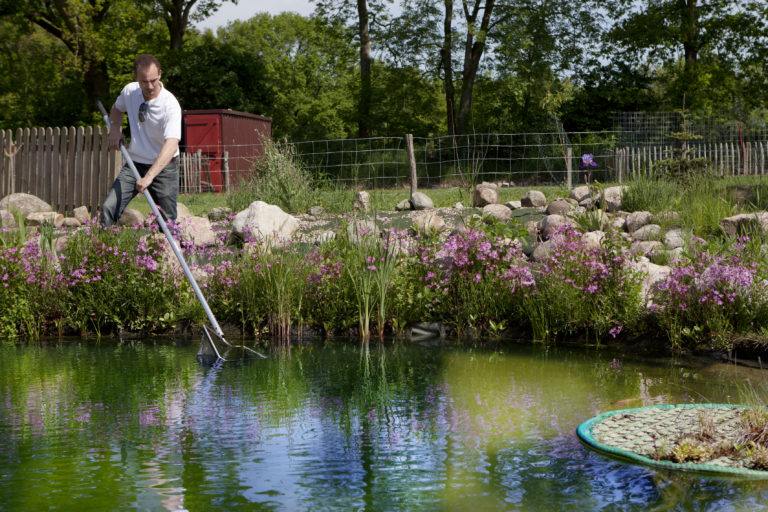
{"type": "Point", "coordinates": [215, 131]}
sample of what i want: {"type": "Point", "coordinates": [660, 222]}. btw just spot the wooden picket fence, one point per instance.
{"type": "Point", "coordinates": [727, 159]}
{"type": "Point", "coordinates": [66, 167]}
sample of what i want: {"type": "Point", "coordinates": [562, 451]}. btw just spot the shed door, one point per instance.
{"type": "Point", "coordinates": [203, 133]}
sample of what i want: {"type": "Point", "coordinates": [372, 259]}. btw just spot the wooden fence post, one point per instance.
{"type": "Point", "coordinates": [569, 167]}
{"type": "Point", "coordinates": [411, 162]}
{"type": "Point", "coordinates": [225, 170]}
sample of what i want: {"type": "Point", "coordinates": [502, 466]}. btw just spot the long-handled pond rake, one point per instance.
{"type": "Point", "coordinates": [213, 346]}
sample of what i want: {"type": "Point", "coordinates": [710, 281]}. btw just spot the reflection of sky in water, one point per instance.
{"type": "Point", "coordinates": [414, 429]}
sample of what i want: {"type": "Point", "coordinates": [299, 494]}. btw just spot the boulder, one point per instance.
{"type": "Point", "coordinates": [612, 198]}
{"type": "Point", "coordinates": [549, 225]}
{"type": "Point", "coordinates": [636, 220]}
{"type": "Point", "coordinates": [559, 207]}
{"type": "Point", "coordinates": [421, 201]}
{"type": "Point", "coordinates": [182, 212]}
{"type": "Point", "coordinates": [71, 222]}
{"type": "Point", "coordinates": [219, 213]}
{"type": "Point", "coordinates": [131, 217]}
{"type": "Point", "coordinates": [485, 194]}
{"type": "Point", "coordinates": [362, 202]}
{"type": "Point", "coordinates": [673, 239]}
{"type": "Point", "coordinates": [7, 219]}
{"type": "Point", "coordinates": [264, 222]}
{"type": "Point", "coordinates": [316, 211]}
{"type": "Point", "coordinates": [580, 193]}
{"type": "Point", "coordinates": [534, 198]}
{"type": "Point", "coordinates": [197, 230]}
{"type": "Point", "coordinates": [513, 205]}
{"type": "Point", "coordinates": [654, 274]}
{"type": "Point", "coordinates": [646, 248]}
{"type": "Point", "coordinates": [82, 214]}
{"type": "Point", "coordinates": [403, 205]}
{"type": "Point", "coordinates": [647, 232]}
{"type": "Point", "coordinates": [38, 218]}
{"type": "Point", "coordinates": [25, 203]}
{"type": "Point", "coordinates": [428, 222]}
{"type": "Point", "coordinates": [497, 211]}
{"type": "Point", "coordinates": [593, 239]}
{"type": "Point", "coordinates": [745, 223]}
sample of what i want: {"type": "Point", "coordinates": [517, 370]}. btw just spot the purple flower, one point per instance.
{"type": "Point", "coordinates": [586, 161]}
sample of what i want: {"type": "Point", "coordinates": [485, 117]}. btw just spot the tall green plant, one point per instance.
{"type": "Point", "coordinates": [278, 178]}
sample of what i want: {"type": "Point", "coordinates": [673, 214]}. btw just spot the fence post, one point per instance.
{"type": "Point", "coordinates": [569, 167]}
{"type": "Point", "coordinates": [411, 162]}
{"type": "Point", "coordinates": [225, 170]}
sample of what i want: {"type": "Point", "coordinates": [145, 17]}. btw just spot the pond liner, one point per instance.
{"type": "Point", "coordinates": [585, 434]}
{"type": "Point", "coordinates": [215, 349]}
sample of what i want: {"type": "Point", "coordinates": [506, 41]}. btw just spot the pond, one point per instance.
{"type": "Point", "coordinates": [331, 426]}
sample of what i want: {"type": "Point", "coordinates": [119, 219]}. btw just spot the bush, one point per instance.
{"type": "Point", "coordinates": [279, 179]}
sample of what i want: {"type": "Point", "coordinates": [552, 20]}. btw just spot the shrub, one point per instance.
{"type": "Point", "coordinates": [279, 179]}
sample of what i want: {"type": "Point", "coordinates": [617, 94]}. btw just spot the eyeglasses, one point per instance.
{"type": "Point", "coordinates": [143, 112]}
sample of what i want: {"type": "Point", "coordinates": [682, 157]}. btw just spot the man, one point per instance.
{"type": "Point", "coordinates": [154, 116]}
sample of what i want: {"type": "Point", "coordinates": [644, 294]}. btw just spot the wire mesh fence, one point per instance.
{"type": "Point", "coordinates": [640, 140]}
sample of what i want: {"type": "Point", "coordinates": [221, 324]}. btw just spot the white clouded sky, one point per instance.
{"type": "Point", "coordinates": [245, 9]}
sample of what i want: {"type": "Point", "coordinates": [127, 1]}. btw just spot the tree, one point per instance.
{"type": "Point", "coordinates": [309, 69]}
{"type": "Point", "coordinates": [87, 30]}
{"type": "Point", "coordinates": [370, 15]}
{"type": "Point", "coordinates": [215, 74]}
{"type": "Point", "coordinates": [178, 13]}
{"type": "Point", "coordinates": [660, 33]}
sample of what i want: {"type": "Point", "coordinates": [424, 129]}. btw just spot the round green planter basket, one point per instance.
{"type": "Point", "coordinates": [634, 435]}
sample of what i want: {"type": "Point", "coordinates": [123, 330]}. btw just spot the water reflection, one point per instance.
{"type": "Point", "coordinates": [340, 426]}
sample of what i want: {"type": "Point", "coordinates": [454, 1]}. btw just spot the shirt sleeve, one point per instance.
{"type": "Point", "coordinates": [120, 101]}
{"type": "Point", "coordinates": [172, 129]}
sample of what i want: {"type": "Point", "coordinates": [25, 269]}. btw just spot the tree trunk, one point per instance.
{"type": "Point", "coordinates": [690, 29]}
{"type": "Point", "coordinates": [364, 107]}
{"type": "Point", "coordinates": [473, 52]}
{"type": "Point", "coordinates": [446, 62]}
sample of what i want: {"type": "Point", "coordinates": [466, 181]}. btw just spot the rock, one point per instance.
{"type": "Point", "coordinates": [549, 225]}
{"type": "Point", "coordinates": [362, 202]}
{"type": "Point", "coordinates": [542, 250]}
{"type": "Point", "coordinates": [357, 229]}
{"type": "Point", "coordinates": [420, 201]}
{"type": "Point", "coordinates": [513, 205]}
{"type": "Point", "coordinates": [197, 230]}
{"type": "Point", "coordinates": [265, 222]}
{"type": "Point", "coordinates": [654, 274]}
{"type": "Point", "coordinates": [667, 218]}
{"type": "Point", "coordinates": [71, 222]}
{"type": "Point", "coordinates": [403, 205]}
{"type": "Point", "coordinates": [559, 207]}
{"type": "Point", "coordinates": [532, 227]}
{"type": "Point", "coordinates": [647, 232]}
{"type": "Point", "coordinates": [497, 211]}
{"type": "Point", "coordinates": [619, 223]}
{"type": "Point", "coordinates": [485, 194]}
{"type": "Point", "coordinates": [82, 214]}
{"type": "Point", "coordinates": [7, 219]}
{"type": "Point", "coordinates": [458, 206]}
{"type": "Point", "coordinates": [646, 248]}
{"type": "Point", "coordinates": [636, 220]}
{"type": "Point", "coordinates": [25, 203]}
{"type": "Point", "coordinates": [316, 211]}
{"type": "Point", "coordinates": [612, 198]}
{"type": "Point", "coordinates": [39, 218]}
{"type": "Point", "coordinates": [593, 239]}
{"type": "Point", "coordinates": [428, 222]}
{"type": "Point", "coordinates": [673, 239]}
{"type": "Point", "coordinates": [131, 217]}
{"type": "Point", "coordinates": [219, 213]}
{"type": "Point", "coordinates": [534, 198]}
{"type": "Point", "coordinates": [580, 193]}
{"type": "Point", "coordinates": [745, 223]}
{"type": "Point", "coordinates": [182, 212]}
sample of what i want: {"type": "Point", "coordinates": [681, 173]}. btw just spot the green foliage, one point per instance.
{"type": "Point", "coordinates": [279, 179]}
{"type": "Point", "coordinates": [682, 167]}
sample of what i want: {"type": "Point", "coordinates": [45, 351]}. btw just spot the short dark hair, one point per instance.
{"type": "Point", "coordinates": [144, 61]}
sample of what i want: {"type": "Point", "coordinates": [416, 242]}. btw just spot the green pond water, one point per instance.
{"type": "Point", "coordinates": [103, 426]}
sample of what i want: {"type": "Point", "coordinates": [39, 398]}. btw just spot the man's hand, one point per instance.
{"type": "Point", "coordinates": [144, 183]}
{"type": "Point", "coordinates": [115, 136]}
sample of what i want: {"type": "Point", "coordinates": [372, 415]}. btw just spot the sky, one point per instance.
{"type": "Point", "coordinates": [245, 9]}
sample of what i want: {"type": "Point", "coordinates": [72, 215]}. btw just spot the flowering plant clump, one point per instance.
{"type": "Point", "coordinates": [709, 295]}
{"type": "Point", "coordinates": [479, 277]}
{"type": "Point", "coordinates": [15, 301]}
{"type": "Point", "coordinates": [581, 288]}
{"type": "Point", "coordinates": [586, 164]}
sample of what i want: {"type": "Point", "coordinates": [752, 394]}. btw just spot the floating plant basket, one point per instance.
{"type": "Point", "coordinates": [647, 435]}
